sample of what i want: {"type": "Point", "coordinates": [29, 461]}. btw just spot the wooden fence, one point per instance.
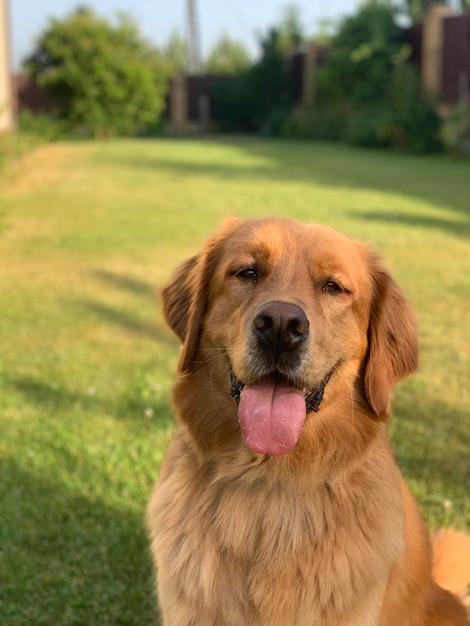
{"type": "Point", "coordinates": [455, 85]}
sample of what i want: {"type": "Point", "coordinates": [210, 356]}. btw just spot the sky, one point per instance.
{"type": "Point", "coordinates": [157, 19]}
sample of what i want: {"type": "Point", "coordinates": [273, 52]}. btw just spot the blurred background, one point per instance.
{"type": "Point", "coordinates": [371, 73]}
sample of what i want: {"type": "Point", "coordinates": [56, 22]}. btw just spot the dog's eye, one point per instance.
{"type": "Point", "coordinates": [332, 287]}
{"type": "Point", "coordinates": [248, 273]}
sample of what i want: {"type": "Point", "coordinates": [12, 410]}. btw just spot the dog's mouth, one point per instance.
{"type": "Point", "coordinates": [272, 411]}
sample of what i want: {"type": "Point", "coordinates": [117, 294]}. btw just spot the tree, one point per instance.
{"type": "Point", "coordinates": [325, 31]}
{"type": "Point", "coordinates": [270, 75]}
{"type": "Point", "coordinates": [416, 9]}
{"type": "Point", "coordinates": [259, 98]}
{"type": "Point", "coordinates": [363, 53]}
{"type": "Point", "coordinates": [290, 28]}
{"type": "Point", "coordinates": [376, 92]}
{"type": "Point", "coordinates": [176, 52]}
{"type": "Point", "coordinates": [227, 57]}
{"type": "Point", "coordinates": [105, 78]}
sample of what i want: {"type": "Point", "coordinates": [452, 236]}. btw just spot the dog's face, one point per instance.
{"type": "Point", "coordinates": [282, 307]}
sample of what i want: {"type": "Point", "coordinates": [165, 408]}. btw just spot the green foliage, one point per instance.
{"type": "Point", "coordinates": [367, 93]}
{"type": "Point", "coordinates": [416, 9]}
{"type": "Point", "coordinates": [13, 146]}
{"type": "Point", "coordinates": [106, 79]}
{"type": "Point", "coordinates": [290, 28]}
{"type": "Point", "coordinates": [44, 126]}
{"type": "Point", "coordinates": [417, 122]}
{"type": "Point", "coordinates": [227, 57]}
{"type": "Point", "coordinates": [325, 31]}
{"type": "Point", "coordinates": [405, 120]}
{"type": "Point", "coordinates": [270, 78]}
{"type": "Point", "coordinates": [233, 103]}
{"type": "Point", "coordinates": [257, 99]}
{"type": "Point", "coordinates": [456, 130]}
{"type": "Point", "coordinates": [362, 56]}
{"type": "Point", "coordinates": [326, 124]}
{"type": "Point", "coordinates": [175, 52]}
{"type": "Point", "coordinates": [373, 95]}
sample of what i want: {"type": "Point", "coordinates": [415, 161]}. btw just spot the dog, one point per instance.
{"type": "Point", "coordinates": [279, 502]}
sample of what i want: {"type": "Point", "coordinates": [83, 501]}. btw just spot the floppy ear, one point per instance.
{"type": "Point", "coordinates": [185, 296]}
{"type": "Point", "coordinates": [184, 305]}
{"type": "Point", "coordinates": [177, 297]}
{"type": "Point", "coordinates": [393, 343]}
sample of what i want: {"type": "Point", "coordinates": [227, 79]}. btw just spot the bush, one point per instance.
{"type": "Point", "coordinates": [372, 127]}
{"type": "Point", "coordinates": [363, 53]}
{"type": "Point", "coordinates": [326, 124]}
{"type": "Point", "coordinates": [42, 125]}
{"type": "Point", "coordinates": [105, 79]}
{"type": "Point", "coordinates": [257, 99]}
{"type": "Point", "coordinates": [456, 130]}
{"type": "Point", "coordinates": [227, 57]}
{"type": "Point", "coordinates": [413, 111]}
{"type": "Point", "coordinates": [13, 146]}
{"type": "Point", "coordinates": [274, 122]}
{"type": "Point", "coordinates": [368, 77]}
{"type": "Point", "coordinates": [233, 103]}
{"type": "Point", "coordinates": [382, 126]}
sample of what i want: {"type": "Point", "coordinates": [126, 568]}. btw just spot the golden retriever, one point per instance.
{"type": "Point", "coordinates": [279, 502]}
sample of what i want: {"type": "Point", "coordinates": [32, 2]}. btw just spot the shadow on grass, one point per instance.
{"type": "Point", "coordinates": [420, 221]}
{"type": "Point", "coordinates": [431, 438]}
{"type": "Point", "coordinates": [50, 396]}
{"type": "Point", "coordinates": [126, 321]}
{"type": "Point", "coordinates": [431, 443]}
{"type": "Point", "coordinates": [134, 402]}
{"type": "Point", "coordinates": [69, 560]}
{"type": "Point", "coordinates": [427, 178]}
{"type": "Point", "coordinates": [127, 283]}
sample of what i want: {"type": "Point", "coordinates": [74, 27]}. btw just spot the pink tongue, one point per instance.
{"type": "Point", "coordinates": [271, 416]}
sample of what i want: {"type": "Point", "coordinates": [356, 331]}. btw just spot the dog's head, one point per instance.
{"type": "Point", "coordinates": [280, 307]}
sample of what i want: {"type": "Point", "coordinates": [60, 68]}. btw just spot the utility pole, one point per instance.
{"type": "Point", "coordinates": [193, 39]}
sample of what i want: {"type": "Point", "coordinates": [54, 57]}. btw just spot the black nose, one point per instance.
{"type": "Point", "coordinates": [281, 327]}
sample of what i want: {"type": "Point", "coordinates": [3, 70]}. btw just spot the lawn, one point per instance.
{"type": "Point", "coordinates": [88, 233]}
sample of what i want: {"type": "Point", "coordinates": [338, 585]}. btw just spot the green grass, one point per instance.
{"type": "Point", "coordinates": [88, 232]}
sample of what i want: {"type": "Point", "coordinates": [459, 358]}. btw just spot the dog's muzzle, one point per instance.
{"type": "Point", "coordinates": [279, 335]}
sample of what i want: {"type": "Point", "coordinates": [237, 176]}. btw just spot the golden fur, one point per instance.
{"type": "Point", "coordinates": [327, 534]}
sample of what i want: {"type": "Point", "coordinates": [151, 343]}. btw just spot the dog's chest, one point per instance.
{"type": "Point", "coordinates": [267, 552]}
